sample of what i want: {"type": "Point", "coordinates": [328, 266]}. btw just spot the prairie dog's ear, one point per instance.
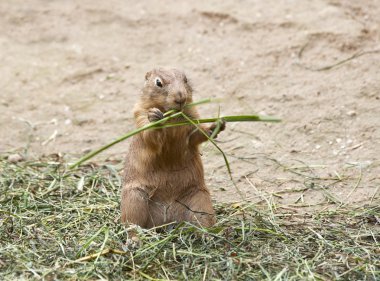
{"type": "Point", "coordinates": [147, 75]}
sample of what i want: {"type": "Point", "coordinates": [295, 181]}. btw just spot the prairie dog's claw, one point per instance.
{"type": "Point", "coordinates": [154, 114]}
{"type": "Point", "coordinates": [215, 125]}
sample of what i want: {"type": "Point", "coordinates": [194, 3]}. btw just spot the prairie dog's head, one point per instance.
{"type": "Point", "coordinates": [167, 89]}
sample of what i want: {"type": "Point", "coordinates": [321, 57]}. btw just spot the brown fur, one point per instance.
{"type": "Point", "coordinates": [164, 179]}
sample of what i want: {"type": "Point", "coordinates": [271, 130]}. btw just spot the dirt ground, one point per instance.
{"type": "Point", "coordinates": [71, 71]}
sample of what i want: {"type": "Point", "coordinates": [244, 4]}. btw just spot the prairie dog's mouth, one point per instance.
{"type": "Point", "coordinates": [177, 107]}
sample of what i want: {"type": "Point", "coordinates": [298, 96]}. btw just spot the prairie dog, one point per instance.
{"type": "Point", "coordinates": [163, 176]}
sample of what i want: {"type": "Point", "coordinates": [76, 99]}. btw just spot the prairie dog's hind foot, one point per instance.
{"type": "Point", "coordinates": [133, 242]}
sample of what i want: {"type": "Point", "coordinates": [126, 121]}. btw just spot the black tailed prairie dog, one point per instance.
{"type": "Point", "coordinates": [164, 178]}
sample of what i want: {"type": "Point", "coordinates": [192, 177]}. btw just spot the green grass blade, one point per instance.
{"type": "Point", "coordinates": [237, 118]}
{"type": "Point", "coordinates": [169, 115]}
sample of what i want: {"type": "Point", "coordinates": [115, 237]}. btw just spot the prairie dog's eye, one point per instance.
{"type": "Point", "coordinates": [185, 79]}
{"type": "Point", "coordinates": [158, 82]}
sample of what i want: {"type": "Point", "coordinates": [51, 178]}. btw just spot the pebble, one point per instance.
{"type": "Point", "coordinates": [15, 158]}
{"type": "Point", "coordinates": [86, 150]}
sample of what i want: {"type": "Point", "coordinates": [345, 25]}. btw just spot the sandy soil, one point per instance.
{"type": "Point", "coordinates": [71, 71]}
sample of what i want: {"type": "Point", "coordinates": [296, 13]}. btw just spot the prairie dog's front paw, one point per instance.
{"type": "Point", "coordinates": [215, 125]}
{"type": "Point", "coordinates": [154, 114]}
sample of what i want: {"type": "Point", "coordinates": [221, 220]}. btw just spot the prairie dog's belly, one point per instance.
{"type": "Point", "coordinates": [168, 175]}
{"type": "Point", "coordinates": [172, 181]}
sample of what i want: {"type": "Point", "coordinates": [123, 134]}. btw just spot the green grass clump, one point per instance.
{"type": "Point", "coordinates": [57, 223]}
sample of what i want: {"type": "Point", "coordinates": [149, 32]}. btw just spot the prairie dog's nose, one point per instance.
{"type": "Point", "coordinates": [180, 98]}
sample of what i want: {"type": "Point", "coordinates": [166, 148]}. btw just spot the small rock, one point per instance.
{"type": "Point", "coordinates": [351, 113]}
{"type": "Point", "coordinates": [15, 158]}
{"type": "Point", "coordinates": [86, 150]}
{"type": "Point", "coordinates": [54, 121]}
{"type": "Point", "coordinates": [257, 144]}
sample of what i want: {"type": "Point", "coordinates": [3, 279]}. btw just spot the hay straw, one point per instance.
{"type": "Point", "coordinates": [61, 224]}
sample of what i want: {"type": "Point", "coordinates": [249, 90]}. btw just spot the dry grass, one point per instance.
{"type": "Point", "coordinates": [62, 224]}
